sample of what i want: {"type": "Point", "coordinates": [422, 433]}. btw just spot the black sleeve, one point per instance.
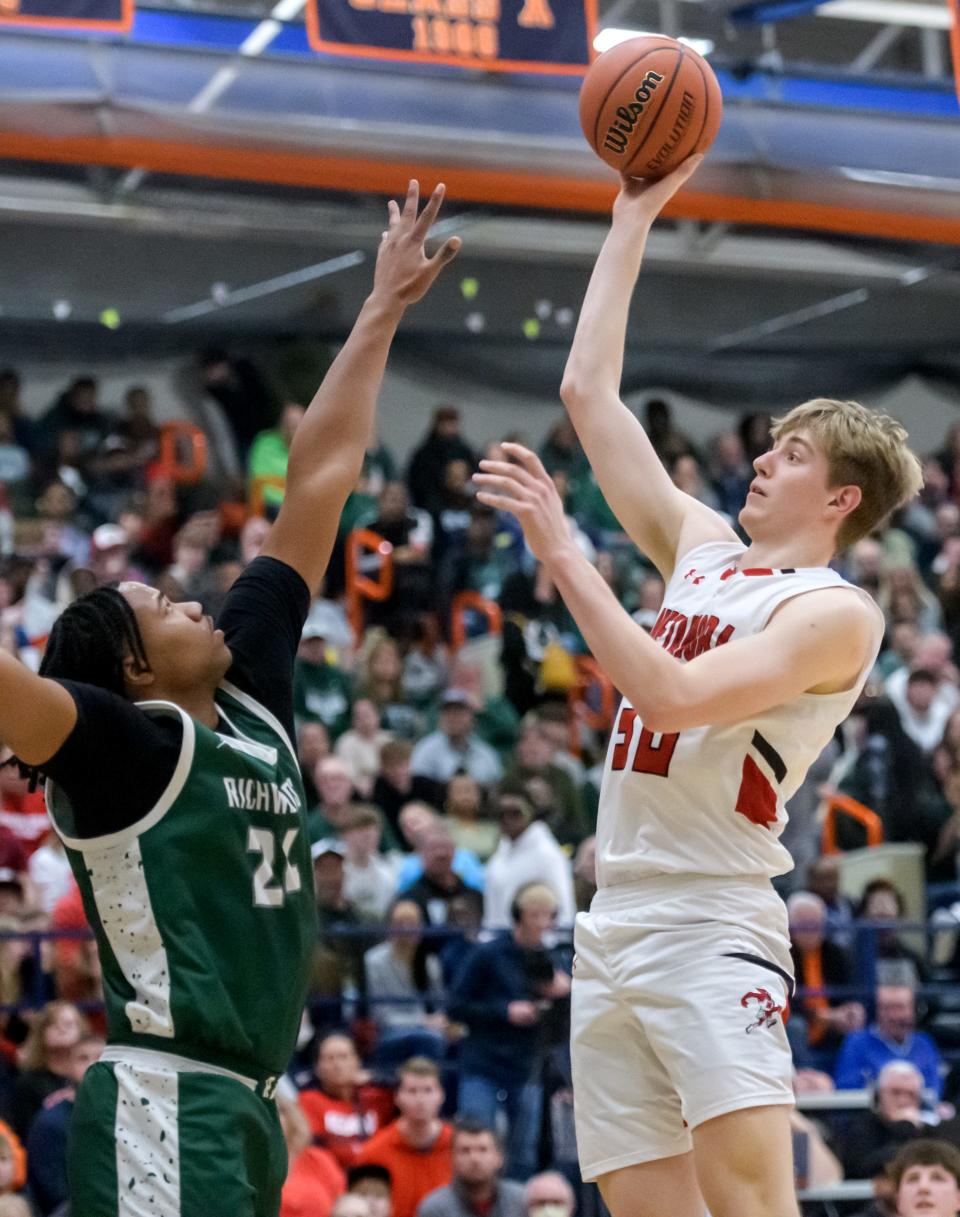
{"type": "Point", "coordinates": [262, 619]}
{"type": "Point", "coordinates": [115, 763]}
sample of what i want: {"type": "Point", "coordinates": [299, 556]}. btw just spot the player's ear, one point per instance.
{"type": "Point", "coordinates": [845, 499]}
{"type": "Point", "coordinates": [139, 678]}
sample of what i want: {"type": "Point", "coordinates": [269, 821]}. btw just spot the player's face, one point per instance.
{"type": "Point", "coordinates": [928, 1191]}
{"type": "Point", "coordinates": [790, 488]}
{"type": "Point", "coordinates": [183, 648]}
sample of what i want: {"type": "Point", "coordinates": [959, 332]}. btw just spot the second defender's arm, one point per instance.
{"type": "Point", "coordinates": [660, 519]}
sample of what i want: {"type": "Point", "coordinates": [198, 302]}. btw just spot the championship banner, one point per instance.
{"type": "Point", "coordinates": [80, 15]}
{"type": "Point", "coordinates": [554, 36]}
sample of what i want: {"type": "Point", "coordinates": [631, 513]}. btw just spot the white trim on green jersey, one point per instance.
{"type": "Point", "coordinates": [261, 712]}
{"type": "Point", "coordinates": [147, 1137]}
{"type": "Point", "coordinates": [119, 884]}
{"type": "Point", "coordinates": [243, 743]}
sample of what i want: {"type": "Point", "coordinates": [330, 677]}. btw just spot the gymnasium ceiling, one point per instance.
{"type": "Point", "coordinates": [176, 257]}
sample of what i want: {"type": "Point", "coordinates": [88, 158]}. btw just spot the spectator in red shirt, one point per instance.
{"type": "Point", "coordinates": [23, 813]}
{"type": "Point", "coordinates": [342, 1108]}
{"type": "Point", "coordinates": [314, 1178]}
{"type": "Point", "coordinates": [415, 1148]}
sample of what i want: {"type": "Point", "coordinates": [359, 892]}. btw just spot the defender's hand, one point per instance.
{"type": "Point", "coordinates": [641, 200]}
{"type": "Point", "coordinates": [404, 273]}
{"type": "Point", "coordinates": [523, 487]}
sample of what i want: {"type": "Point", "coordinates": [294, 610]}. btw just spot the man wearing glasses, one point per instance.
{"type": "Point", "coordinates": [528, 852]}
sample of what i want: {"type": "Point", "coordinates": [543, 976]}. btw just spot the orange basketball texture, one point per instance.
{"type": "Point", "coordinates": [649, 103]}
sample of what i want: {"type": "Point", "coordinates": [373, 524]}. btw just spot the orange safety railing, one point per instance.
{"type": "Point", "coordinates": [842, 804]}
{"type": "Point", "coordinates": [174, 437]}
{"type": "Point", "coordinates": [464, 602]}
{"type": "Point", "coordinates": [257, 488]}
{"type": "Point", "coordinates": [361, 587]}
{"type": "Point", "coordinates": [599, 717]}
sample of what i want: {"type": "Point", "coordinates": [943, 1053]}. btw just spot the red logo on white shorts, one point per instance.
{"type": "Point", "coordinates": [762, 1006]}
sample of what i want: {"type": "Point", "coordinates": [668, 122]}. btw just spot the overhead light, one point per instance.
{"type": "Point", "coordinates": [266, 287]}
{"type": "Point", "coordinates": [613, 36]}
{"type": "Point", "coordinates": [62, 309]}
{"type": "Point", "coordinates": [889, 12]}
{"type": "Point", "coordinates": [892, 177]}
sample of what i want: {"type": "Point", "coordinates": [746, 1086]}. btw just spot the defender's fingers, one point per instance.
{"type": "Point", "coordinates": [448, 251]}
{"type": "Point", "coordinates": [412, 200]}
{"type": "Point", "coordinates": [429, 213]}
{"type": "Point", "coordinates": [393, 212]}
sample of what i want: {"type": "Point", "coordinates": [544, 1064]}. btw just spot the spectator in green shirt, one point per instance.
{"type": "Point", "coordinates": [321, 691]}
{"type": "Point", "coordinates": [270, 452]}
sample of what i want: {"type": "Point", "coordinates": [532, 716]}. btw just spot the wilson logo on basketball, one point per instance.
{"type": "Point", "coordinates": [762, 1006]}
{"type": "Point", "coordinates": [620, 130]}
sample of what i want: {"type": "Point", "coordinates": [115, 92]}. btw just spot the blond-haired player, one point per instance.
{"type": "Point", "coordinates": [681, 1065]}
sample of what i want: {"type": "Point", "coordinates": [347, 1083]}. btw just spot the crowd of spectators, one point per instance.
{"type": "Point", "coordinates": [453, 775]}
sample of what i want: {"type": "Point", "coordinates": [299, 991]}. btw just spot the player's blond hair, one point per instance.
{"type": "Point", "coordinates": [863, 448]}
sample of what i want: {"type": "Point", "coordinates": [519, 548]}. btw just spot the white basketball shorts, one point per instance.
{"type": "Point", "coordinates": [679, 989]}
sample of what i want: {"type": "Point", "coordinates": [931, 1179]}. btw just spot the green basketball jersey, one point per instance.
{"type": "Point", "coordinates": [204, 910]}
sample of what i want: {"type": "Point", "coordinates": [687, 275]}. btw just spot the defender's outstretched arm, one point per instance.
{"type": "Point", "coordinates": [326, 456]}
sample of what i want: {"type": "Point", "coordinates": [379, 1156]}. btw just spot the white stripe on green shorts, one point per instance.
{"type": "Point", "coordinates": [148, 1142]}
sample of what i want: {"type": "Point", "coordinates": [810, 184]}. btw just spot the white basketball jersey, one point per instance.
{"type": "Point", "coordinates": [710, 800]}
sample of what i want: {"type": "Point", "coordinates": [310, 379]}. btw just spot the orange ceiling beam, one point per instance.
{"type": "Point", "coordinates": [495, 186]}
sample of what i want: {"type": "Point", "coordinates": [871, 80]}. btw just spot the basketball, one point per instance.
{"type": "Point", "coordinates": [649, 103]}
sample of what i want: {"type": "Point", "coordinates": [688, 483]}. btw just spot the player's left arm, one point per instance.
{"type": "Point", "coordinates": [326, 455]}
{"type": "Point", "coordinates": [817, 642]}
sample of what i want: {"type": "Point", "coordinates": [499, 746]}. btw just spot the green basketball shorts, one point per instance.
{"type": "Point", "coordinates": [157, 1135]}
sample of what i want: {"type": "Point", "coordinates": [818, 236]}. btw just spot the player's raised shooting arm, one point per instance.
{"type": "Point", "coordinates": [660, 519]}
{"type": "Point", "coordinates": [326, 455]}
{"type": "Point", "coordinates": [36, 714]}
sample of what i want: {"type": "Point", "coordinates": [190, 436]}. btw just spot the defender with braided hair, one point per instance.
{"type": "Point", "coordinates": [165, 739]}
